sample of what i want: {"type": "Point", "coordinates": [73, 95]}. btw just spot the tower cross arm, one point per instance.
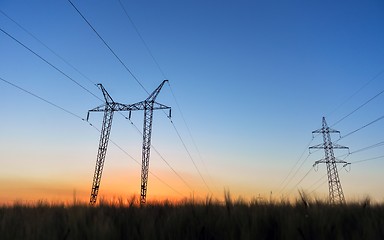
{"type": "Point", "coordinates": [325, 130]}
{"type": "Point", "coordinates": [153, 95]}
{"type": "Point", "coordinates": [114, 106]}
{"type": "Point", "coordinates": [140, 106]}
{"type": "Point", "coordinates": [338, 146]}
{"type": "Point", "coordinates": [328, 161]}
{"type": "Point", "coordinates": [318, 146]}
{"type": "Point", "coordinates": [157, 105]}
{"type": "Point", "coordinates": [319, 161]}
{"type": "Point", "coordinates": [100, 108]}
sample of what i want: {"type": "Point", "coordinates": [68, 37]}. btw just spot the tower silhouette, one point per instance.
{"type": "Point", "coordinates": [336, 194]}
{"type": "Point", "coordinates": [109, 107]}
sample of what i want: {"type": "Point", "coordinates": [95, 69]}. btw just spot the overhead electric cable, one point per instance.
{"type": "Point", "coordinates": [356, 109]}
{"type": "Point", "coordinates": [42, 99]}
{"type": "Point", "coordinates": [369, 147]}
{"type": "Point", "coordinates": [368, 159]}
{"type": "Point", "coordinates": [318, 182]}
{"type": "Point", "coordinates": [355, 93]}
{"type": "Point", "coordinates": [50, 49]}
{"type": "Point", "coordinates": [360, 128]}
{"type": "Point", "coordinates": [321, 184]}
{"type": "Point", "coordinates": [362, 150]}
{"type": "Point", "coordinates": [190, 156]}
{"type": "Point", "coordinates": [50, 64]}
{"type": "Point", "coordinates": [293, 167]}
{"type": "Point", "coordinates": [142, 39]}
{"type": "Point", "coordinates": [188, 129]}
{"type": "Point", "coordinates": [300, 180]}
{"type": "Point", "coordinates": [106, 44]}
{"type": "Point", "coordinates": [297, 170]}
{"type": "Point", "coordinates": [358, 161]}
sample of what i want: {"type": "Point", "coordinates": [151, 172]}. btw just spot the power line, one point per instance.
{"type": "Point", "coordinates": [355, 93]}
{"type": "Point", "coordinates": [50, 64]}
{"type": "Point", "coordinates": [317, 183]}
{"type": "Point", "coordinates": [142, 39]}
{"type": "Point", "coordinates": [106, 44]}
{"type": "Point", "coordinates": [188, 129]}
{"type": "Point", "coordinates": [360, 128]}
{"type": "Point", "coordinates": [359, 107]}
{"type": "Point", "coordinates": [42, 99]}
{"type": "Point", "coordinates": [293, 167]}
{"type": "Point", "coordinates": [368, 159]}
{"type": "Point", "coordinates": [322, 183]}
{"type": "Point", "coordinates": [50, 49]}
{"type": "Point", "coordinates": [190, 156]}
{"type": "Point", "coordinates": [300, 180]}
{"type": "Point", "coordinates": [359, 161]}
{"type": "Point", "coordinates": [379, 144]}
{"type": "Point", "coordinates": [369, 147]}
{"type": "Point", "coordinates": [297, 170]}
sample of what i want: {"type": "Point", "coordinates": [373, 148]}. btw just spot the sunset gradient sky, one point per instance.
{"type": "Point", "coordinates": [252, 79]}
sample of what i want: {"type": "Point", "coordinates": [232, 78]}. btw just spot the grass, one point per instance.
{"type": "Point", "coordinates": [208, 219]}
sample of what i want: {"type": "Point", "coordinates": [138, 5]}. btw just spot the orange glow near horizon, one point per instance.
{"type": "Point", "coordinates": [115, 184]}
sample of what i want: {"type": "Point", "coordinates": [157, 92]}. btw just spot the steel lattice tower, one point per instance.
{"type": "Point", "coordinates": [336, 194]}
{"type": "Point", "coordinates": [109, 107]}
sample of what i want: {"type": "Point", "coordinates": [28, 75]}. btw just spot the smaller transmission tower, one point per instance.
{"type": "Point", "coordinates": [336, 194]}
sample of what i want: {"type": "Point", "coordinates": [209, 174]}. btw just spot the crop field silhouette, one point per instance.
{"type": "Point", "coordinates": [190, 219]}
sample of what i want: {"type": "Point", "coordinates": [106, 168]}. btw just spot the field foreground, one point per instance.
{"type": "Point", "coordinates": [191, 220]}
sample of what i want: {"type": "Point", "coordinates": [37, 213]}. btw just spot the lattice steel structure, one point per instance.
{"type": "Point", "coordinates": [109, 107]}
{"type": "Point", "coordinates": [336, 195]}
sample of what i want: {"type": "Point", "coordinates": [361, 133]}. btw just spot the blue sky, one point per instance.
{"type": "Point", "coordinates": [252, 78]}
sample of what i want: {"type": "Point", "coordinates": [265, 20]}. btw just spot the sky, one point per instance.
{"type": "Point", "coordinates": [248, 83]}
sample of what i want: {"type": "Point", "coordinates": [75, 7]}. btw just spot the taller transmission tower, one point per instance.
{"type": "Point", "coordinates": [336, 194]}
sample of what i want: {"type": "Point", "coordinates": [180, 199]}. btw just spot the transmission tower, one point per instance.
{"type": "Point", "coordinates": [109, 107]}
{"type": "Point", "coordinates": [336, 194]}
